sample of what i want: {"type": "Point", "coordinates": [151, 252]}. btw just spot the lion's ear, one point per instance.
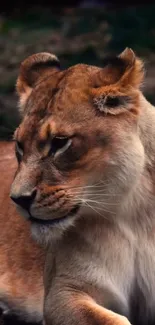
{"type": "Point", "coordinates": [123, 70]}
{"type": "Point", "coordinates": [120, 76]}
{"type": "Point", "coordinates": [32, 70]}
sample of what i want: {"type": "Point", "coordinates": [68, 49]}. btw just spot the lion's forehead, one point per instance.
{"type": "Point", "coordinates": [61, 92]}
{"type": "Point", "coordinates": [64, 103]}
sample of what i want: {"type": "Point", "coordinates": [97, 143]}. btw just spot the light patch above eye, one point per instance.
{"type": "Point", "coordinates": [45, 130]}
{"type": "Point", "coordinates": [44, 148]}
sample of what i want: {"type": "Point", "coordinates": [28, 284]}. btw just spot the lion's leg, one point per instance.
{"type": "Point", "coordinates": [78, 309]}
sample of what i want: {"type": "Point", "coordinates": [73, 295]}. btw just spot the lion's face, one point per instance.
{"type": "Point", "coordinates": [77, 147]}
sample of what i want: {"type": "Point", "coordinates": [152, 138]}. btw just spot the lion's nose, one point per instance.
{"type": "Point", "coordinates": [25, 199]}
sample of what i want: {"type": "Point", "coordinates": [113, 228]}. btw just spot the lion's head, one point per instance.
{"type": "Point", "coordinates": [77, 147]}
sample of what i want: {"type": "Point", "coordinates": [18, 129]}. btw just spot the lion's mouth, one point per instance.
{"type": "Point", "coordinates": [56, 220]}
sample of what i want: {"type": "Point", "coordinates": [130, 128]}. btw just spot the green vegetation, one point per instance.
{"type": "Point", "coordinates": [75, 35]}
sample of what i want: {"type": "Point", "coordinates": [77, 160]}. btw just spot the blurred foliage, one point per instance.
{"type": "Point", "coordinates": [75, 36]}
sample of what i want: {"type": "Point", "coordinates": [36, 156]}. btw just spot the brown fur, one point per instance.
{"type": "Point", "coordinates": [21, 260]}
{"type": "Point", "coordinates": [100, 261]}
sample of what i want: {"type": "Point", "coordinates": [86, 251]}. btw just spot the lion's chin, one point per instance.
{"type": "Point", "coordinates": [45, 234]}
{"type": "Point", "coordinates": [45, 231]}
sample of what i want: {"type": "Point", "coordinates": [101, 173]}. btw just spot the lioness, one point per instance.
{"type": "Point", "coordinates": [21, 260]}
{"type": "Point", "coordinates": [86, 181]}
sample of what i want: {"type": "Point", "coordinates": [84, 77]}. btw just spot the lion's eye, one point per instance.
{"type": "Point", "coordinates": [19, 150]}
{"type": "Point", "coordinates": [59, 145]}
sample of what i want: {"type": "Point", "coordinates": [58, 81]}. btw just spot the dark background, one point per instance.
{"type": "Point", "coordinates": [81, 32]}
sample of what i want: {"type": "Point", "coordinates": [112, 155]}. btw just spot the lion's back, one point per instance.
{"type": "Point", "coordinates": [21, 260]}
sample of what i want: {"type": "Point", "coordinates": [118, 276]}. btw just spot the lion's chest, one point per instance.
{"type": "Point", "coordinates": [118, 270]}
{"type": "Point", "coordinates": [142, 299]}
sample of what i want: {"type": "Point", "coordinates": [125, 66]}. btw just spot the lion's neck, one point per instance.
{"type": "Point", "coordinates": [137, 208]}
{"type": "Point", "coordinates": [147, 129]}
{"type": "Point", "coordinates": [139, 204]}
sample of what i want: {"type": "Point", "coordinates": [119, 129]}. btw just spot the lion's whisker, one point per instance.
{"type": "Point", "coordinates": [100, 193]}
{"type": "Point", "coordinates": [94, 210]}
{"type": "Point", "coordinates": [101, 209]}
{"type": "Point", "coordinates": [89, 186]}
{"type": "Point", "coordinates": [94, 201]}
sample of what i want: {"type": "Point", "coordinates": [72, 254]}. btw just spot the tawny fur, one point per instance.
{"type": "Point", "coordinates": [21, 260]}
{"type": "Point", "coordinates": [100, 262]}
